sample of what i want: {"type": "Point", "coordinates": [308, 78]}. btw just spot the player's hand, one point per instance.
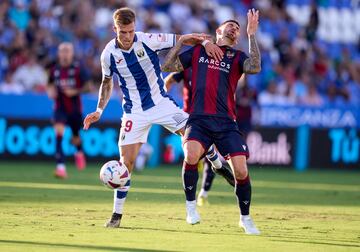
{"type": "Point", "coordinates": [193, 38]}
{"type": "Point", "coordinates": [253, 21]}
{"type": "Point", "coordinates": [91, 118]}
{"type": "Point", "coordinates": [214, 51]}
{"type": "Point", "coordinates": [70, 92]}
{"type": "Point", "coordinates": [52, 93]}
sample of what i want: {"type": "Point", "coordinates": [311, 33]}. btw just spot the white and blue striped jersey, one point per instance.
{"type": "Point", "coordinates": [138, 69]}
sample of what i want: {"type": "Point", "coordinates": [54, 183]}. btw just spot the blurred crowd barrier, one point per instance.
{"type": "Point", "coordinates": [284, 136]}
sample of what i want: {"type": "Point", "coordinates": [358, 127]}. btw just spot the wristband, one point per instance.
{"type": "Point", "coordinates": [205, 42]}
{"type": "Point", "coordinates": [99, 110]}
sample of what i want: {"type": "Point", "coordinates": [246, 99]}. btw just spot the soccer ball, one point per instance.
{"type": "Point", "coordinates": [114, 174]}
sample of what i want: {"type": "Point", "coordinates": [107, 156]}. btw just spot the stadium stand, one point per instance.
{"type": "Point", "coordinates": [310, 49]}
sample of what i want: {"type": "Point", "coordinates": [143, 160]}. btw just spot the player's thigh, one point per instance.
{"type": "Point", "coordinates": [128, 154]}
{"type": "Point", "coordinates": [230, 143]}
{"type": "Point", "coordinates": [196, 141]}
{"type": "Point", "coordinates": [134, 129]}
{"type": "Point", "coordinates": [239, 166]}
{"type": "Point", "coordinates": [169, 115]}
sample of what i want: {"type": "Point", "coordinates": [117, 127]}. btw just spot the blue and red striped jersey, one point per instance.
{"type": "Point", "coordinates": [213, 83]}
{"type": "Point", "coordinates": [68, 77]}
{"type": "Point", "coordinates": [186, 77]}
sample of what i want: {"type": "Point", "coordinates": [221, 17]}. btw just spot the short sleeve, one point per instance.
{"type": "Point", "coordinates": [186, 58]}
{"type": "Point", "coordinates": [105, 64]}
{"type": "Point", "coordinates": [178, 76]}
{"type": "Point", "coordinates": [242, 59]}
{"type": "Point", "coordinates": [157, 41]}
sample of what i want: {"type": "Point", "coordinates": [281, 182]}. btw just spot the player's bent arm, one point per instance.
{"type": "Point", "coordinates": [252, 65]}
{"type": "Point", "coordinates": [172, 62]}
{"type": "Point", "coordinates": [169, 80]}
{"type": "Point", "coordinates": [51, 90]}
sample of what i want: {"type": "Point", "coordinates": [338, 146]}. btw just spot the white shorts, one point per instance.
{"type": "Point", "coordinates": [135, 127]}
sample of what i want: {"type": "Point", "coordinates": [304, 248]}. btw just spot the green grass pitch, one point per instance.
{"type": "Point", "coordinates": [310, 211]}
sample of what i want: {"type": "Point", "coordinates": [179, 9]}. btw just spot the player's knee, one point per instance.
{"type": "Point", "coordinates": [240, 172]}
{"type": "Point", "coordinates": [191, 157]}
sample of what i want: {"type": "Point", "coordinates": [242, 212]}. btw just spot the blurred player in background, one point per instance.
{"type": "Point", "coordinates": [133, 57]}
{"type": "Point", "coordinates": [245, 98]}
{"type": "Point", "coordinates": [208, 170]}
{"type": "Point", "coordinates": [212, 112]}
{"type": "Point", "coordinates": [67, 80]}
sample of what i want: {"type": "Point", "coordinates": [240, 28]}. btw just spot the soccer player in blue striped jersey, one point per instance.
{"type": "Point", "coordinates": [132, 56]}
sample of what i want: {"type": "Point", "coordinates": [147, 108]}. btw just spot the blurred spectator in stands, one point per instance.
{"type": "Point", "coordinates": [19, 14]}
{"type": "Point", "coordinates": [271, 96]}
{"type": "Point", "coordinates": [312, 96]}
{"type": "Point", "coordinates": [334, 96]}
{"type": "Point", "coordinates": [8, 86]}
{"type": "Point", "coordinates": [31, 75]}
{"type": "Point", "coordinates": [313, 24]}
{"type": "Point", "coordinates": [299, 35]}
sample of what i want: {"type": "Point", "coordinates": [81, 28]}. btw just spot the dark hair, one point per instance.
{"type": "Point", "coordinates": [124, 16]}
{"type": "Point", "coordinates": [230, 21]}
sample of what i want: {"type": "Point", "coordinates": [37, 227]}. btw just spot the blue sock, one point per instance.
{"type": "Point", "coordinates": [243, 194]}
{"type": "Point", "coordinates": [190, 178]}
{"type": "Point", "coordinates": [59, 155]}
{"type": "Point", "coordinates": [208, 176]}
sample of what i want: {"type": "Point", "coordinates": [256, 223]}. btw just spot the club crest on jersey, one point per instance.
{"type": "Point", "coordinates": [140, 53]}
{"type": "Point", "coordinates": [230, 54]}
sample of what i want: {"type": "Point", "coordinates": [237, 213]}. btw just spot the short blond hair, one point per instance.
{"type": "Point", "coordinates": [124, 16]}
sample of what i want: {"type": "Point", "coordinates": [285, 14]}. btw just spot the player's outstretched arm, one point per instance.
{"type": "Point", "coordinates": [252, 65]}
{"type": "Point", "coordinates": [104, 97]}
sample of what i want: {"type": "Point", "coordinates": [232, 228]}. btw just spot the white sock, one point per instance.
{"type": "Point", "coordinates": [213, 157]}
{"type": "Point", "coordinates": [119, 199]}
{"type": "Point", "coordinates": [191, 204]}
{"type": "Point", "coordinates": [61, 167]}
{"type": "Point", "coordinates": [203, 193]}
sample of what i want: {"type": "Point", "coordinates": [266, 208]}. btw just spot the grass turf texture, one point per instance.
{"type": "Point", "coordinates": [311, 211]}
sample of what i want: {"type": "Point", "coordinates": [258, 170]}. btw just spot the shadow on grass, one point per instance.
{"type": "Point", "coordinates": [85, 247]}
{"type": "Point", "coordinates": [301, 239]}
{"type": "Point", "coordinates": [322, 243]}
{"type": "Point", "coordinates": [178, 231]}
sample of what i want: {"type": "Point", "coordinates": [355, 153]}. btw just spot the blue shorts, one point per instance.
{"type": "Point", "coordinates": [74, 120]}
{"type": "Point", "coordinates": [223, 132]}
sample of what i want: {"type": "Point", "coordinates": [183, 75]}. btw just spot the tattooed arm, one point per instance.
{"type": "Point", "coordinates": [104, 97]}
{"type": "Point", "coordinates": [105, 92]}
{"type": "Point", "coordinates": [172, 62]}
{"type": "Point", "coordinates": [252, 64]}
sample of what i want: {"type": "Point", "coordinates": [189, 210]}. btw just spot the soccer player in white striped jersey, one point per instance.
{"type": "Point", "coordinates": [132, 56]}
